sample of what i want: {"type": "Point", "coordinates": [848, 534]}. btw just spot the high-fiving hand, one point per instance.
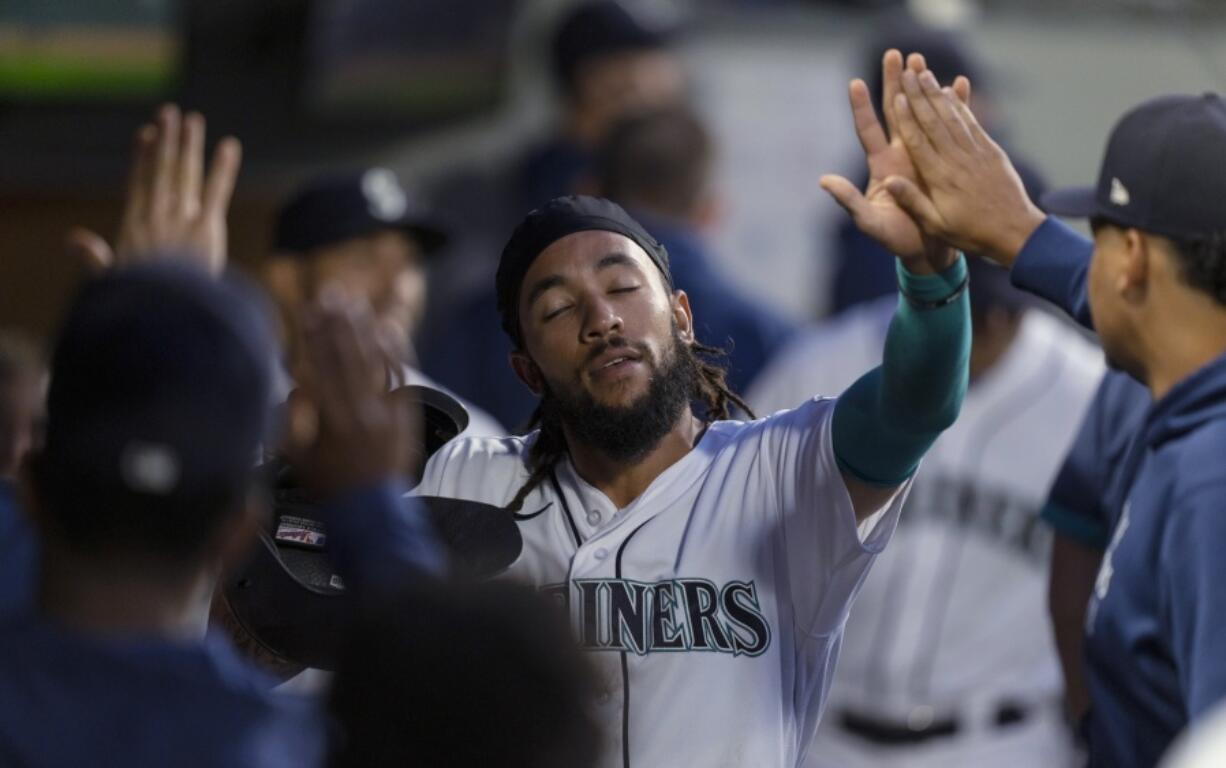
{"type": "Point", "coordinates": [173, 208]}
{"type": "Point", "coordinates": [968, 193]}
{"type": "Point", "coordinates": [875, 211]}
{"type": "Point", "coordinates": [345, 432]}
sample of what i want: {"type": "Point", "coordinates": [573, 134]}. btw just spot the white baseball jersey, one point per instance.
{"type": "Point", "coordinates": [713, 604]}
{"type": "Point", "coordinates": [953, 622]}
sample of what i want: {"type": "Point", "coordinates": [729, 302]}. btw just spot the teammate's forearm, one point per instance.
{"type": "Point", "coordinates": [888, 419]}
{"type": "Point", "coordinates": [377, 538]}
{"type": "Point", "coordinates": [1053, 265]}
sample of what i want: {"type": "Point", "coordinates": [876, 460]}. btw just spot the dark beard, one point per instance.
{"type": "Point", "coordinates": [627, 433]}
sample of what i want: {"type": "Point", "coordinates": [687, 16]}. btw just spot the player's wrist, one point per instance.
{"type": "Point", "coordinates": [935, 290]}
{"type": "Point", "coordinates": [1014, 234]}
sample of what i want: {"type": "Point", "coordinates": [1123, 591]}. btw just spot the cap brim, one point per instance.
{"type": "Point", "coordinates": [430, 234]}
{"type": "Point", "coordinates": [1074, 203]}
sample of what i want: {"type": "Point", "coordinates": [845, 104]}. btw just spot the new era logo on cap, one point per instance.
{"type": "Point", "coordinates": [1119, 193]}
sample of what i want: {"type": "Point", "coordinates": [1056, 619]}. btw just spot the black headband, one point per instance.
{"type": "Point", "coordinates": [551, 222]}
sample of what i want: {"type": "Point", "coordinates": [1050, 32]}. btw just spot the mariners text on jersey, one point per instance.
{"type": "Point", "coordinates": [714, 603]}
{"type": "Point", "coordinates": [673, 615]}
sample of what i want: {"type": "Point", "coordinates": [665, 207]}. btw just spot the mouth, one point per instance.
{"type": "Point", "coordinates": [615, 363]}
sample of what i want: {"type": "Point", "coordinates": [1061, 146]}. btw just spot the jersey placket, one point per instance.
{"type": "Point", "coordinates": [605, 532]}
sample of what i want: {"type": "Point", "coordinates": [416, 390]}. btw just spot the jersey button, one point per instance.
{"type": "Point", "coordinates": [593, 517]}
{"type": "Point", "coordinates": [601, 553]}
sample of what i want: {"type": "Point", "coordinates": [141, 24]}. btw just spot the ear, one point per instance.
{"type": "Point", "coordinates": [1132, 280]}
{"type": "Point", "coordinates": [527, 371]}
{"type": "Point", "coordinates": [683, 315]}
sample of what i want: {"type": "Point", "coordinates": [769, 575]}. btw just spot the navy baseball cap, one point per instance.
{"type": "Point", "coordinates": [551, 222]}
{"type": "Point", "coordinates": [603, 28]}
{"type": "Point", "coordinates": [1163, 172]}
{"type": "Point", "coordinates": [160, 386]}
{"type": "Point", "coordinates": [334, 208]}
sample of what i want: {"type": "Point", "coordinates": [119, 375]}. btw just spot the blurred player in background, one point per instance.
{"type": "Point", "coordinates": [363, 234]}
{"type": "Point", "coordinates": [948, 657]}
{"type": "Point", "coordinates": [608, 64]}
{"type": "Point", "coordinates": [659, 166]}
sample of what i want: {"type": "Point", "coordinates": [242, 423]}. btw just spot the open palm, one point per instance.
{"type": "Point", "coordinates": [875, 211]}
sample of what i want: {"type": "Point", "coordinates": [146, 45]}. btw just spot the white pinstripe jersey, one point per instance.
{"type": "Point", "coordinates": [713, 604]}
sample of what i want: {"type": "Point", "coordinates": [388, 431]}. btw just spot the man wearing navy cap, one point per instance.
{"type": "Point", "coordinates": [363, 232]}
{"type": "Point", "coordinates": [144, 491]}
{"type": "Point", "coordinates": [140, 496]}
{"type": "Point", "coordinates": [1153, 284]}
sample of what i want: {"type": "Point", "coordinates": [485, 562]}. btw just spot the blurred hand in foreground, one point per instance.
{"type": "Point", "coordinates": [172, 208]}
{"type": "Point", "coordinates": [968, 194]}
{"type": "Point", "coordinates": [345, 432]}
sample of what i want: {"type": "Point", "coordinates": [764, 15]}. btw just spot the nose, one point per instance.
{"type": "Point", "coordinates": [600, 320]}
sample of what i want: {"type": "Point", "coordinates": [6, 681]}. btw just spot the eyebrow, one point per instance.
{"type": "Point", "coordinates": [614, 259]}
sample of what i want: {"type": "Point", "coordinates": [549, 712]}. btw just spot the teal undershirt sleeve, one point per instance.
{"type": "Point", "coordinates": [887, 420]}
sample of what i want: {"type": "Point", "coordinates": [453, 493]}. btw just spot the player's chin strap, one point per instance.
{"type": "Point", "coordinates": [887, 420]}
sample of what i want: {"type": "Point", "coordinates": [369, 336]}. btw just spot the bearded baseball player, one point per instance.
{"type": "Point", "coordinates": [707, 564]}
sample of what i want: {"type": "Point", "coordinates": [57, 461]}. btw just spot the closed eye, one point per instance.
{"type": "Point", "coordinates": [627, 289]}
{"type": "Point", "coordinates": [551, 315]}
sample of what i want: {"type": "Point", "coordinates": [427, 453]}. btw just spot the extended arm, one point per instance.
{"type": "Point", "coordinates": [888, 419]}
{"type": "Point", "coordinates": [1053, 265]}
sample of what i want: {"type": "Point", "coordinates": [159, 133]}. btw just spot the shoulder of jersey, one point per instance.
{"type": "Point", "coordinates": [482, 447]}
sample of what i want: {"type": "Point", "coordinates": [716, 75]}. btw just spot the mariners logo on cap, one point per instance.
{"type": "Point", "coordinates": [1119, 193]}
{"type": "Point", "coordinates": [385, 199]}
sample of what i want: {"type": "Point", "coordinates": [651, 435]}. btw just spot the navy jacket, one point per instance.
{"type": "Point", "coordinates": [69, 698]}
{"type": "Point", "coordinates": [1080, 503]}
{"type": "Point", "coordinates": [1156, 623]}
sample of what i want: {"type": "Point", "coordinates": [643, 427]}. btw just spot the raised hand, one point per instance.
{"type": "Point", "coordinates": [875, 211]}
{"type": "Point", "coordinates": [345, 431]}
{"type": "Point", "coordinates": [172, 208]}
{"type": "Point", "coordinates": [968, 193]}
